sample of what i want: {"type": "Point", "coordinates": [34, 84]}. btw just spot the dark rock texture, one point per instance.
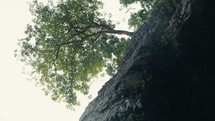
{"type": "Point", "coordinates": [169, 69]}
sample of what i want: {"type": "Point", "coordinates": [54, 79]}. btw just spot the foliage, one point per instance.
{"type": "Point", "coordinates": [69, 43]}
{"type": "Point", "coordinates": [139, 17]}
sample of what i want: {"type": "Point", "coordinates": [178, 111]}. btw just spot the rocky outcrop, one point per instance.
{"type": "Point", "coordinates": [168, 70]}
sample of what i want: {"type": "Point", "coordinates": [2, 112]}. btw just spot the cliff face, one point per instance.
{"type": "Point", "coordinates": [168, 70]}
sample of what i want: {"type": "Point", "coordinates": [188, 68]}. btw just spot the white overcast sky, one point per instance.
{"type": "Point", "coordinates": [20, 100]}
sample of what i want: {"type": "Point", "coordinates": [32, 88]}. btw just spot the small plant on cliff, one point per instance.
{"type": "Point", "coordinates": [137, 18]}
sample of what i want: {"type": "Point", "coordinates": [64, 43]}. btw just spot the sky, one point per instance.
{"type": "Point", "coordinates": [20, 99]}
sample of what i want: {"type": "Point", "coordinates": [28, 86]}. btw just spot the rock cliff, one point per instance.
{"type": "Point", "coordinates": [168, 69]}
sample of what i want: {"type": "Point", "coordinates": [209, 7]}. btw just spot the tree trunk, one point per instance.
{"type": "Point", "coordinates": [108, 30]}
{"type": "Point", "coordinates": [119, 32]}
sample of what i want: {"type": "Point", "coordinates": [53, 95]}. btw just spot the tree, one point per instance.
{"type": "Point", "coordinates": [67, 44]}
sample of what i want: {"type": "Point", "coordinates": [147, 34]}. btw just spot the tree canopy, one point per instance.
{"type": "Point", "coordinates": [68, 43]}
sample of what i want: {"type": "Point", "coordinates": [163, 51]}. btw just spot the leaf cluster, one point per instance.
{"type": "Point", "coordinates": [138, 18]}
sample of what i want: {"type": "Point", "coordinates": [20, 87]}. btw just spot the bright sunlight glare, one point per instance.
{"type": "Point", "coordinates": [21, 100]}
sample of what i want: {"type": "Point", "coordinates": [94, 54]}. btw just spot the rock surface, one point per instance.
{"type": "Point", "coordinates": [168, 70]}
